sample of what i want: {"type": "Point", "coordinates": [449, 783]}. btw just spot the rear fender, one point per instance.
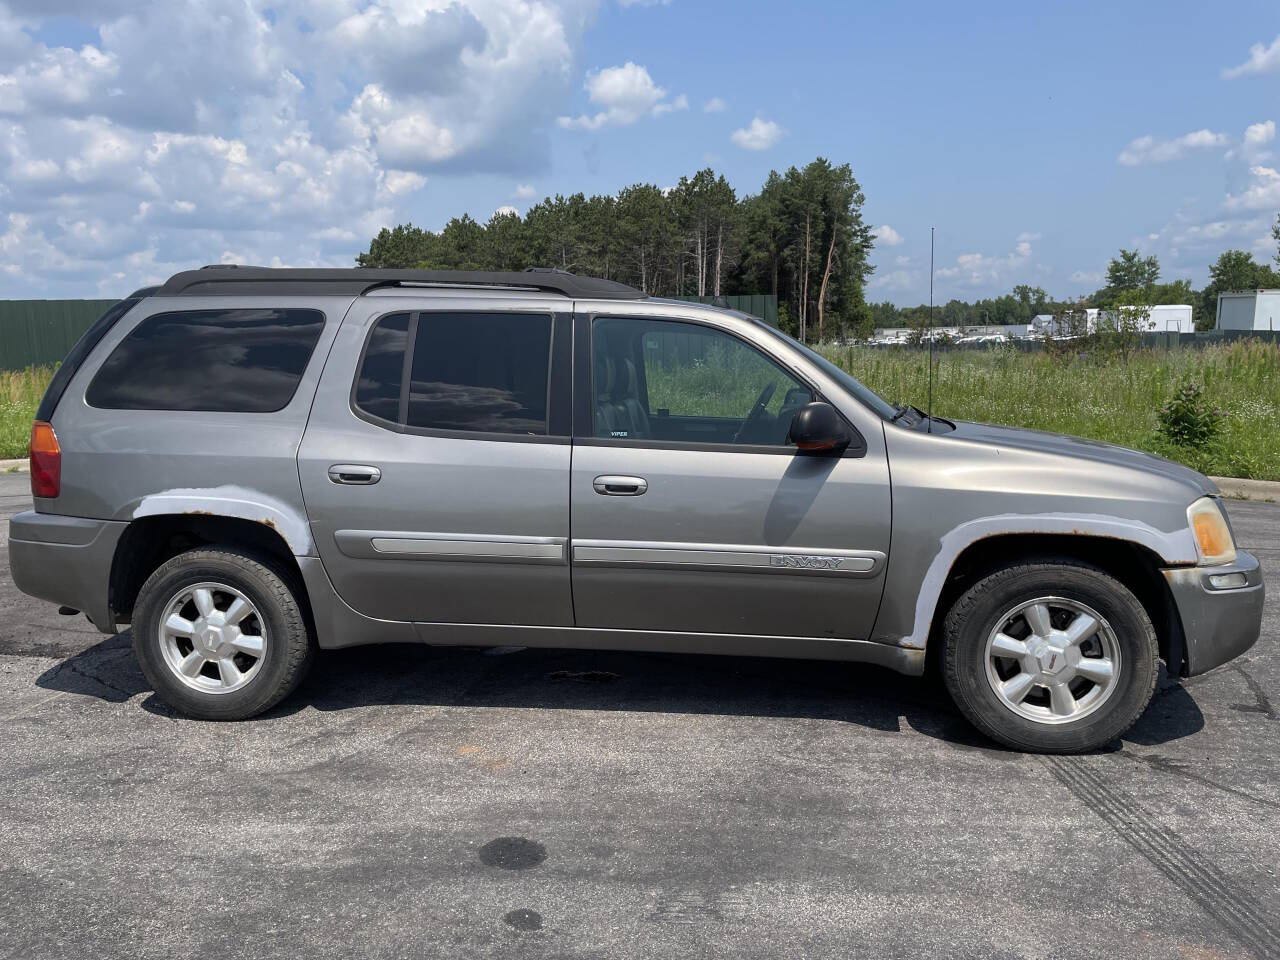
{"type": "Point", "coordinates": [234, 501]}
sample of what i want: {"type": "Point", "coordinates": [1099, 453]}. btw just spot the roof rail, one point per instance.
{"type": "Point", "coordinates": [236, 280]}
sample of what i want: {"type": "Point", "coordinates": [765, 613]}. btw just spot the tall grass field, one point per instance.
{"type": "Point", "coordinates": [1109, 400]}
{"type": "Point", "coordinates": [20, 393]}
{"type": "Point", "coordinates": [1103, 399]}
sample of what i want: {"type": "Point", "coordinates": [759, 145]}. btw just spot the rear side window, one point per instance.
{"type": "Point", "coordinates": [83, 347]}
{"type": "Point", "coordinates": [240, 360]}
{"type": "Point", "coordinates": [470, 372]}
{"type": "Point", "coordinates": [382, 370]}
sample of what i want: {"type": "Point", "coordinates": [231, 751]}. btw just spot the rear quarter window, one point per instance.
{"type": "Point", "coordinates": [236, 360]}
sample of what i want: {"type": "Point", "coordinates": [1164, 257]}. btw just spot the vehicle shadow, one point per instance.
{"type": "Point", "coordinates": [864, 695]}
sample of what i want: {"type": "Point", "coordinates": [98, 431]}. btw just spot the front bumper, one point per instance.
{"type": "Point", "coordinates": [1218, 624]}
{"type": "Point", "coordinates": [66, 560]}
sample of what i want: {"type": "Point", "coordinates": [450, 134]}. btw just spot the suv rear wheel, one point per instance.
{"type": "Point", "coordinates": [221, 634]}
{"type": "Point", "coordinates": [1053, 657]}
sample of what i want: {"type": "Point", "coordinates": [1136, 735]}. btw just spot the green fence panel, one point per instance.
{"type": "Point", "coordinates": [762, 305]}
{"type": "Point", "coordinates": [35, 332]}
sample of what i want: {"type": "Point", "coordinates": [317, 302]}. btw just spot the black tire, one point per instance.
{"type": "Point", "coordinates": [272, 589]}
{"type": "Point", "coordinates": [974, 616]}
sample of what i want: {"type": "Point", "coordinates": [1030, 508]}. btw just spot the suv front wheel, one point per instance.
{"type": "Point", "coordinates": [1054, 657]}
{"type": "Point", "coordinates": [220, 633]}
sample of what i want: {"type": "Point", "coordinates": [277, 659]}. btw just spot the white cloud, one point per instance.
{"type": "Point", "coordinates": [679, 103]}
{"type": "Point", "coordinates": [715, 105]}
{"type": "Point", "coordinates": [887, 236]}
{"type": "Point", "coordinates": [525, 191]}
{"type": "Point", "coordinates": [506, 210]}
{"type": "Point", "coordinates": [1263, 193]}
{"type": "Point", "coordinates": [403, 181]}
{"type": "Point", "coordinates": [759, 135]}
{"type": "Point", "coordinates": [643, 3]}
{"type": "Point", "coordinates": [626, 94]}
{"type": "Point", "coordinates": [270, 130]}
{"type": "Point", "coordinates": [897, 281]}
{"type": "Point", "coordinates": [1258, 133]}
{"type": "Point", "coordinates": [1087, 277]}
{"type": "Point", "coordinates": [1148, 149]}
{"type": "Point", "coordinates": [979, 269]}
{"type": "Point", "coordinates": [1262, 59]}
{"type": "Point", "coordinates": [1253, 147]}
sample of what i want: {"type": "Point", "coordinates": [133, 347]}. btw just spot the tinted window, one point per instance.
{"type": "Point", "coordinates": [222, 360]}
{"type": "Point", "coordinates": [480, 371]}
{"type": "Point", "coordinates": [666, 380]}
{"type": "Point", "coordinates": [381, 373]}
{"type": "Point", "coordinates": [83, 347]}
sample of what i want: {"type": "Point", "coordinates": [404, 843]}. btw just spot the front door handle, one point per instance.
{"type": "Point", "coordinates": [612, 486]}
{"type": "Point", "coordinates": [354, 473]}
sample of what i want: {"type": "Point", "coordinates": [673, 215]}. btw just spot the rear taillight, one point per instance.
{"type": "Point", "coordinates": [46, 461]}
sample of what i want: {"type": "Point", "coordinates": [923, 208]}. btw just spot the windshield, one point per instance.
{"type": "Point", "coordinates": [859, 390]}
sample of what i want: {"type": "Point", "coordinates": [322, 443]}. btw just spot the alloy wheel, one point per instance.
{"type": "Point", "coordinates": [212, 637]}
{"type": "Point", "coordinates": [1052, 660]}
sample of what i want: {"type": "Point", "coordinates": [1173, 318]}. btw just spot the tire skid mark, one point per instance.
{"type": "Point", "coordinates": [1264, 706]}
{"type": "Point", "coordinates": [1165, 765]}
{"type": "Point", "coordinates": [1216, 893]}
{"type": "Point", "coordinates": [28, 711]}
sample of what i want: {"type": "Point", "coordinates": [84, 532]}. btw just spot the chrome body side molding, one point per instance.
{"type": "Point", "coordinates": [736, 557]}
{"type": "Point", "coordinates": [449, 546]}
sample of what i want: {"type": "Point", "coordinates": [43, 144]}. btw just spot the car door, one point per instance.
{"type": "Point", "coordinates": [435, 466]}
{"type": "Point", "coordinates": [690, 509]}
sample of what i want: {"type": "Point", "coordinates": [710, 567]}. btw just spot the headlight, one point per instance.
{"type": "Point", "coordinates": [1213, 536]}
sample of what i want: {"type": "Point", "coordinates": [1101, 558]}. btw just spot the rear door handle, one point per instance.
{"type": "Point", "coordinates": [354, 473]}
{"type": "Point", "coordinates": [612, 486]}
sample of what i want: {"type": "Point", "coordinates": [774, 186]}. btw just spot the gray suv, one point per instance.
{"type": "Point", "coordinates": [246, 464]}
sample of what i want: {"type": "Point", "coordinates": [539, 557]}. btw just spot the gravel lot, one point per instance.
{"type": "Point", "coordinates": [417, 802]}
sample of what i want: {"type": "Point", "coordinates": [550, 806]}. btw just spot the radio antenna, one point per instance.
{"type": "Point", "coordinates": [929, 404]}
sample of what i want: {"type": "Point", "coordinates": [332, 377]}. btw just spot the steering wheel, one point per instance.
{"type": "Point", "coordinates": [757, 411]}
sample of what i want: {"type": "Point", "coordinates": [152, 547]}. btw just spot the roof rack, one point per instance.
{"type": "Point", "coordinates": [236, 280]}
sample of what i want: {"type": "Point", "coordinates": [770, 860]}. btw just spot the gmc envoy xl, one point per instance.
{"type": "Point", "coordinates": [246, 464]}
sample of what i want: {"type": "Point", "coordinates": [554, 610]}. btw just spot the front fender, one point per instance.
{"type": "Point", "coordinates": [911, 596]}
{"type": "Point", "coordinates": [950, 491]}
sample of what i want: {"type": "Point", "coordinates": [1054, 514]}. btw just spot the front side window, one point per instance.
{"type": "Point", "coordinates": [237, 360]}
{"type": "Point", "coordinates": [863, 393]}
{"type": "Point", "coordinates": [472, 372]}
{"type": "Point", "coordinates": [673, 381]}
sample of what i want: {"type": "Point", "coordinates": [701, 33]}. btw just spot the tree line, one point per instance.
{"type": "Point", "coordinates": [801, 238]}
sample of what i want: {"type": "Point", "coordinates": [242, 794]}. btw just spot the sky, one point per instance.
{"type": "Point", "coordinates": [141, 138]}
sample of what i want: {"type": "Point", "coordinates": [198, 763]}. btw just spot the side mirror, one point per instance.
{"type": "Point", "coordinates": [817, 428]}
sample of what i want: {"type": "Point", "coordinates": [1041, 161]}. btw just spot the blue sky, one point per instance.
{"type": "Point", "coordinates": [141, 138]}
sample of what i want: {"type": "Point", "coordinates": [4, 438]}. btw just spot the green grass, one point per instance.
{"type": "Point", "coordinates": [20, 393]}
{"type": "Point", "coordinates": [1102, 399]}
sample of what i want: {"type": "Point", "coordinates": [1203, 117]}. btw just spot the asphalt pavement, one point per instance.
{"type": "Point", "coordinates": [419, 802]}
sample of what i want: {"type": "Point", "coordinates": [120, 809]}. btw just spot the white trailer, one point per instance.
{"type": "Point", "coordinates": [1249, 310]}
{"type": "Point", "coordinates": [1164, 318]}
